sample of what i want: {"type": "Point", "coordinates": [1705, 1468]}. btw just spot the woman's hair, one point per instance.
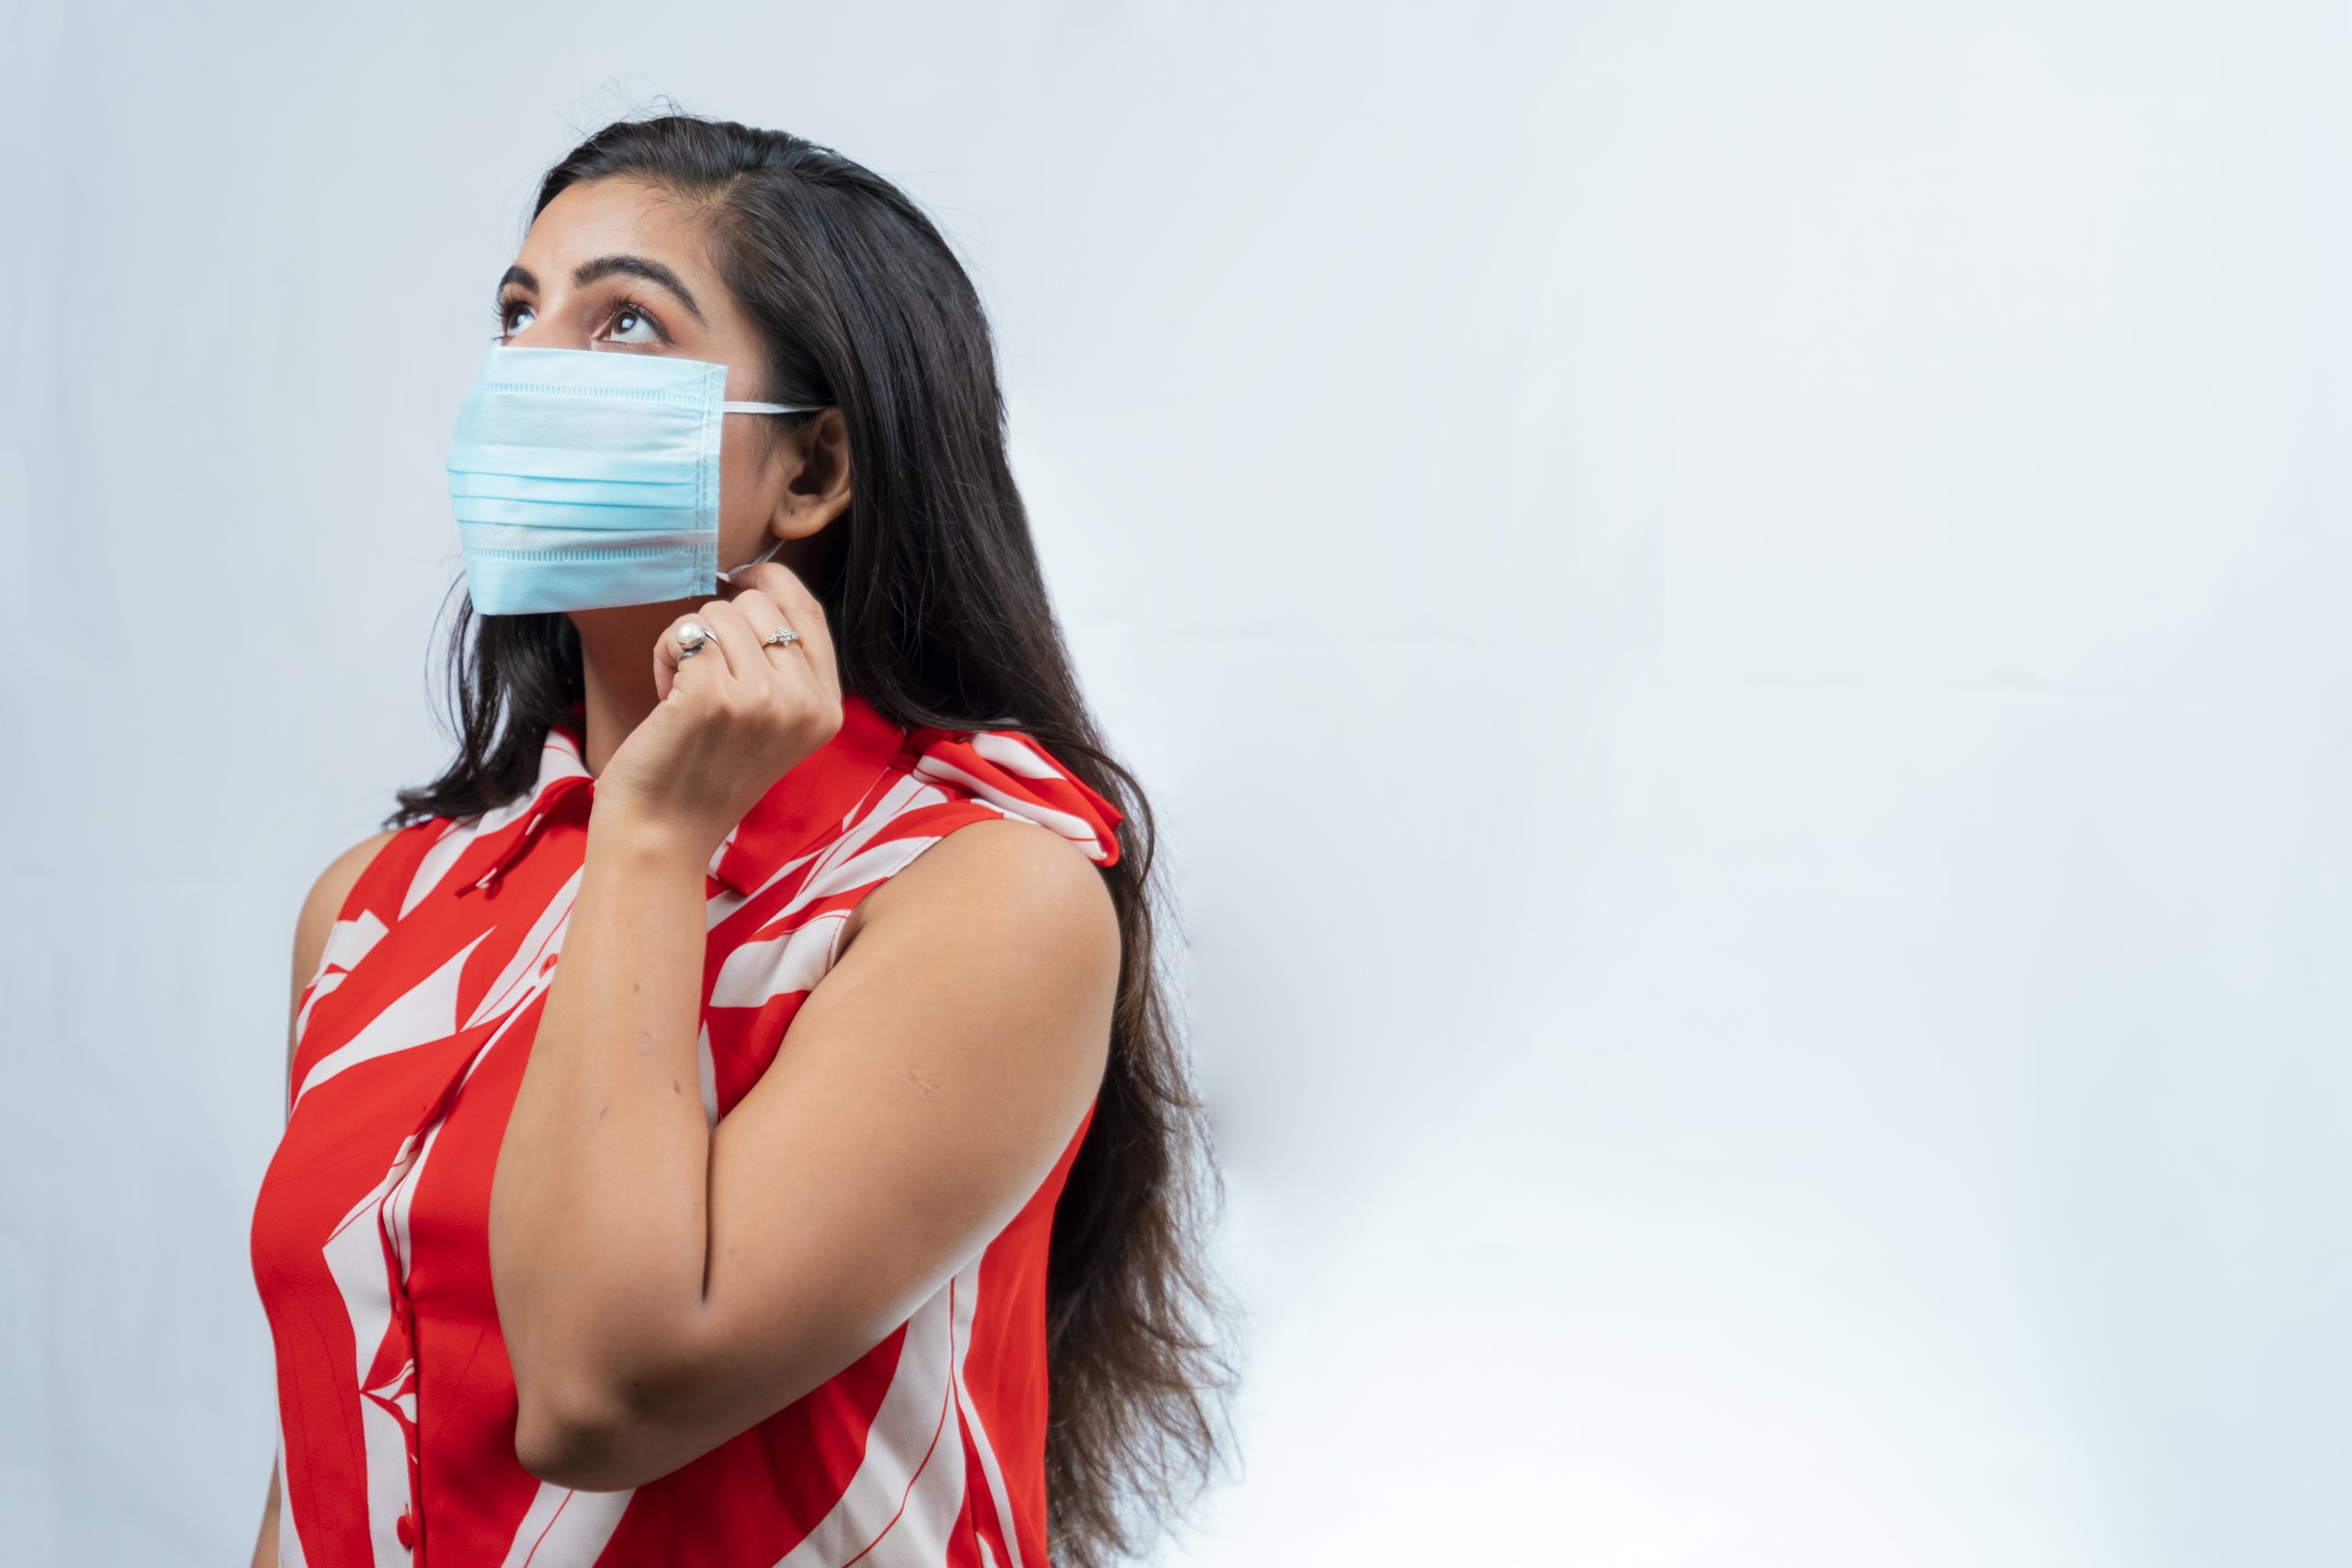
{"type": "Point", "coordinates": [940, 616]}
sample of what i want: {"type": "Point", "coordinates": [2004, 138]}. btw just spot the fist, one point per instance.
{"type": "Point", "coordinates": [735, 715]}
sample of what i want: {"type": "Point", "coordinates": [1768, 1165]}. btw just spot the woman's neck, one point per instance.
{"type": "Point", "coordinates": [616, 672]}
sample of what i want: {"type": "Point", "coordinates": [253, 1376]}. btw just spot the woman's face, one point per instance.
{"type": "Point", "coordinates": [612, 266]}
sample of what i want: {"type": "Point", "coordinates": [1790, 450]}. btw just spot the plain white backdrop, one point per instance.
{"type": "Point", "coordinates": [1735, 614]}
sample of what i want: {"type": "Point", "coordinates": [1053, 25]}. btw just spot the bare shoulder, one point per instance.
{"type": "Point", "coordinates": [1026, 886]}
{"type": "Point", "coordinates": [333, 885]}
{"type": "Point", "coordinates": [324, 901]}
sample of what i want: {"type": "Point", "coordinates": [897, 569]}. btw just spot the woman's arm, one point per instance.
{"type": "Point", "coordinates": [265, 1545]}
{"type": "Point", "coordinates": [662, 1287]}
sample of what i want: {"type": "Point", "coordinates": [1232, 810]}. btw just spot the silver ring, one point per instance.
{"type": "Point", "coordinates": [783, 637]}
{"type": "Point", "coordinates": [692, 639]}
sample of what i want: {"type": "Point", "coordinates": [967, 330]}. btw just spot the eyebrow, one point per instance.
{"type": "Point", "coordinates": [588, 272]}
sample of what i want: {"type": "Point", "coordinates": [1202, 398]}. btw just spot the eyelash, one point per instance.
{"type": "Point", "coordinates": [503, 312]}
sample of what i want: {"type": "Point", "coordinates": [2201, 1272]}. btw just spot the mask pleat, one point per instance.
{"type": "Point", "coordinates": [582, 479]}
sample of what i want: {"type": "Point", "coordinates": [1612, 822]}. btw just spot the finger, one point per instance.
{"type": "Point", "coordinates": [804, 615]}
{"type": "Point", "coordinates": [780, 595]}
{"type": "Point", "coordinates": [764, 618]}
{"type": "Point", "coordinates": [665, 659]}
{"type": "Point", "coordinates": [670, 666]}
{"type": "Point", "coordinates": [738, 643]}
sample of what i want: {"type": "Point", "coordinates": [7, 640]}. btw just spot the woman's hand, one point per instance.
{"type": "Point", "coordinates": [734, 718]}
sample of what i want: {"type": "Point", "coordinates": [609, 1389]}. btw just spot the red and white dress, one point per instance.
{"type": "Point", "coordinates": [396, 1402]}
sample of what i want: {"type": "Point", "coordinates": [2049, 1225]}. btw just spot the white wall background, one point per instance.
{"type": "Point", "coordinates": [1737, 612]}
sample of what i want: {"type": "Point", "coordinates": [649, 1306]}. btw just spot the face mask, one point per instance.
{"type": "Point", "coordinates": [584, 478]}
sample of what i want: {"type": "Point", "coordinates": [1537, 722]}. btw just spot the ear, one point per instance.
{"type": "Point", "coordinates": [817, 476]}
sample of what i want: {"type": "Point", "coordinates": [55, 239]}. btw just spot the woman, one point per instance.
{"type": "Point", "coordinates": [595, 1263]}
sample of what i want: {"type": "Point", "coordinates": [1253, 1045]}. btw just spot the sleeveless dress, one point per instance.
{"type": "Point", "coordinates": [370, 1237]}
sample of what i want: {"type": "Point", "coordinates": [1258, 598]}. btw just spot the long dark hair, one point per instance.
{"type": "Point", "coordinates": [940, 616]}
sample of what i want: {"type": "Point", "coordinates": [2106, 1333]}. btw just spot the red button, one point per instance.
{"type": "Point", "coordinates": [406, 1529]}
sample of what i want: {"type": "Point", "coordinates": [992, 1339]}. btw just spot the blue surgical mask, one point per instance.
{"type": "Point", "coordinates": [583, 477]}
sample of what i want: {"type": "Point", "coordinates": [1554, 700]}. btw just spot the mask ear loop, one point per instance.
{"type": "Point", "coordinates": [769, 553]}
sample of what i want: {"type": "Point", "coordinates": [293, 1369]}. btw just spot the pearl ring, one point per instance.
{"type": "Point", "coordinates": [694, 636]}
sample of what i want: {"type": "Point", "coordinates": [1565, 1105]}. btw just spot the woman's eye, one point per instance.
{"type": "Point", "coordinates": [629, 322]}
{"type": "Point", "coordinates": [629, 319]}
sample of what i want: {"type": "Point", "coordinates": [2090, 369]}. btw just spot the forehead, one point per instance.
{"type": "Point", "coordinates": [614, 217]}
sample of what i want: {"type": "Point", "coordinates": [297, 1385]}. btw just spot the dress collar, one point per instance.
{"type": "Point", "coordinates": [1007, 770]}
{"type": "Point", "coordinates": [800, 808]}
